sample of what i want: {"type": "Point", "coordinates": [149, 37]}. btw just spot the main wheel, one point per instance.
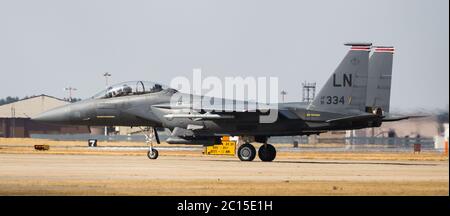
{"type": "Point", "coordinates": [246, 152]}
{"type": "Point", "coordinates": [267, 152]}
{"type": "Point", "coordinates": [152, 154]}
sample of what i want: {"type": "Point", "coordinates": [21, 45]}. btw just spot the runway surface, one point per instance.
{"type": "Point", "coordinates": [54, 174]}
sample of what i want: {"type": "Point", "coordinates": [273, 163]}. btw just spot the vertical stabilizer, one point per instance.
{"type": "Point", "coordinates": [347, 86]}
{"type": "Point", "coordinates": [380, 78]}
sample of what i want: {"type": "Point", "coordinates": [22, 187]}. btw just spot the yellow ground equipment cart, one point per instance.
{"type": "Point", "coordinates": [227, 147]}
{"type": "Point", "coordinates": [42, 147]}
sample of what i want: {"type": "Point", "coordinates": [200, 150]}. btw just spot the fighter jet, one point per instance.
{"type": "Point", "coordinates": [355, 96]}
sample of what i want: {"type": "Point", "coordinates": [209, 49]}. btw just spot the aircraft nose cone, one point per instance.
{"type": "Point", "coordinates": [58, 115]}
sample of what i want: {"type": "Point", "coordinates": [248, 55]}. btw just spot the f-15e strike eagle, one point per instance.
{"type": "Point", "coordinates": [356, 96]}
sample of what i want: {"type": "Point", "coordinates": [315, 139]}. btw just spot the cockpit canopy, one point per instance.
{"type": "Point", "coordinates": [130, 88]}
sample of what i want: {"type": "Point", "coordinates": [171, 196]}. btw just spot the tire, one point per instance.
{"type": "Point", "coordinates": [153, 154]}
{"type": "Point", "coordinates": [246, 152]}
{"type": "Point", "coordinates": [267, 152]}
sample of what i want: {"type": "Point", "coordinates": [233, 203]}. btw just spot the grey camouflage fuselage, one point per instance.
{"type": "Point", "coordinates": [350, 99]}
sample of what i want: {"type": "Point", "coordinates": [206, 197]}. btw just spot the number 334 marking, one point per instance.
{"type": "Point", "coordinates": [333, 100]}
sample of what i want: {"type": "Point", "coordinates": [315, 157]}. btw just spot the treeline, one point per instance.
{"type": "Point", "coordinates": [73, 99]}
{"type": "Point", "coordinates": [10, 99]}
{"type": "Point", "coordinates": [442, 116]}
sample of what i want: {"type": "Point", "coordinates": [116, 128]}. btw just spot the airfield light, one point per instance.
{"type": "Point", "coordinates": [106, 75]}
{"type": "Point", "coordinates": [70, 89]}
{"type": "Point", "coordinates": [283, 93]}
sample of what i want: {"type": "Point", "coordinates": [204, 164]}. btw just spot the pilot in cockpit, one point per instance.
{"type": "Point", "coordinates": [156, 88]}
{"type": "Point", "coordinates": [119, 91]}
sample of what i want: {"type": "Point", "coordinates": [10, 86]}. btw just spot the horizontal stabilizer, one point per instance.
{"type": "Point", "coordinates": [391, 118]}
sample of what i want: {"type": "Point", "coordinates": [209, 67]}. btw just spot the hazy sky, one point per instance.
{"type": "Point", "coordinates": [48, 45]}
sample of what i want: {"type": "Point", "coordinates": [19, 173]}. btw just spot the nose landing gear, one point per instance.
{"type": "Point", "coordinates": [152, 153]}
{"type": "Point", "coordinates": [149, 136]}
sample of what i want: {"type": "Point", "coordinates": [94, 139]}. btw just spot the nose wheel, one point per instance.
{"type": "Point", "coordinates": [152, 153]}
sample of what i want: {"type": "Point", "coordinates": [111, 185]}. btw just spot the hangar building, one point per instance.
{"type": "Point", "coordinates": [15, 118]}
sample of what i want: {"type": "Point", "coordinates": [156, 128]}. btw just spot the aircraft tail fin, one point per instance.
{"type": "Point", "coordinates": [380, 77]}
{"type": "Point", "coordinates": [347, 86]}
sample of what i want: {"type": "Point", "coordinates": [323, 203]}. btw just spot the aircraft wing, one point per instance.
{"type": "Point", "coordinates": [240, 107]}
{"type": "Point", "coordinates": [224, 112]}
{"type": "Point", "coordinates": [353, 118]}
{"type": "Point", "coordinates": [289, 114]}
{"type": "Point", "coordinates": [198, 116]}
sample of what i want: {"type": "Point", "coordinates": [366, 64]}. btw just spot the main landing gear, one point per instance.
{"type": "Point", "coordinates": [267, 152]}
{"type": "Point", "coordinates": [247, 152]}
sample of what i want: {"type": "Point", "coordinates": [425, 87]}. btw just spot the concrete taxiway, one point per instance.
{"type": "Point", "coordinates": [62, 174]}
